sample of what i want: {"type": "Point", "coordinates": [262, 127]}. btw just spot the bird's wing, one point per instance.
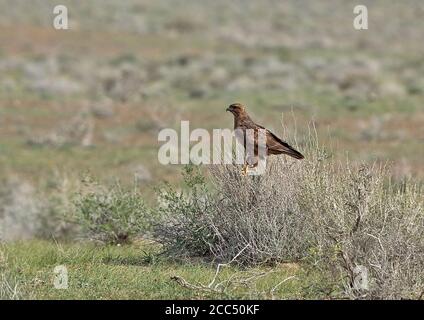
{"type": "Point", "coordinates": [277, 146]}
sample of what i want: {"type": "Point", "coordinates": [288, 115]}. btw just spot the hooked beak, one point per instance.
{"type": "Point", "coordinates": [228, 109]}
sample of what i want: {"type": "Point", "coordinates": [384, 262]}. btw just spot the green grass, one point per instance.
{"type": "Point", "coordinates": [137, 272]}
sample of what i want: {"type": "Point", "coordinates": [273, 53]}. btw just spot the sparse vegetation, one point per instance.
{"type": "Point", "coordinates": [361, 220]}
{"type": "Point", "coordinates": [182, 227]}
{"type": "Point", "coordinates": [93, 98]}
{"type": "Point", "coordinates": [339, 217]}
{"type": "Point", "coordinates": [112, 216]}
{"type": "Point", "coordinates": [21, 211]}
{"type": "Point", "coordinates": [133, 272]}
{"type": "Point", "coordinates": [9, 289]}
{"type": "Point", "coordinates": [9, 286]}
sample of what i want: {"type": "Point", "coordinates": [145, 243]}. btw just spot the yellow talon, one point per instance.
{"type": "Point", "coordinates": [244, 170]}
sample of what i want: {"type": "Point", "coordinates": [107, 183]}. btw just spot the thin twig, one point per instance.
{"type": "Point", "coordinates": [226, 264]}
{"type": "Point", "coordinates": [280, 283]}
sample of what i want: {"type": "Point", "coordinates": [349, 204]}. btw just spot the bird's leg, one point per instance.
{"type": "Point", "coordinates": [244, 170]}
{"type": "Point", "coordinates": [249, 163]}
{"type": "Point", "coordinates": [252, 164]}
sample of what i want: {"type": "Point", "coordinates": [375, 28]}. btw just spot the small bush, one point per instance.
{"type": "Point", "coordinates": [259, 213]}
{"type": "Point", "coordinates": [111, 215]}
{"type": "Point", "coordinates": [252, 215]}
{"type": "Point", "coordinates": [182, 227]}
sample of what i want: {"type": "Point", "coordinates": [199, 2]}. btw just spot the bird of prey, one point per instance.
{"type": "Point", "coordinates": [274, 145]}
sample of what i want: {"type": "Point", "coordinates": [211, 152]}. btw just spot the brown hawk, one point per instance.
{"type": "Point", "coordinates": [274, 145]}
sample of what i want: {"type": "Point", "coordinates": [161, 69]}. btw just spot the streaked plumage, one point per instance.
{"type": "Point", "coordinates": [274, 144]}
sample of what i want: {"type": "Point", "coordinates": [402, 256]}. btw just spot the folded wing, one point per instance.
{"type": "Point", "coordinates": [277, 146]}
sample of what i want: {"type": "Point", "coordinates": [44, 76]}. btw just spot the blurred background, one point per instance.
{"type": "Point", "coordinates": [93, 98]}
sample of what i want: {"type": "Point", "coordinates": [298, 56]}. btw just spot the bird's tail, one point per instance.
{"type": "Point", "coordinates": [290, 151]}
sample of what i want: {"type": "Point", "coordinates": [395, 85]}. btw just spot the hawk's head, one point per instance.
{"type": "Point", "coordinates": [236, 109]}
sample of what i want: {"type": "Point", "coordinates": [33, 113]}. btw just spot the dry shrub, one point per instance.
{"type": "Point", "coordinates": [346, 219]}
{"type": "Point", "coordinates": [261, 212]}
{"type": "Point", "coordinates": [362, 221]}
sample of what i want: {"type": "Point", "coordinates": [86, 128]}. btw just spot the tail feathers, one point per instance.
{"type": "Point", "coordinates": [277, 146]}
{"type": "Point", "coordinates": [286, 149]}
{"type": "Point", "coordinates": [293, 153]}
